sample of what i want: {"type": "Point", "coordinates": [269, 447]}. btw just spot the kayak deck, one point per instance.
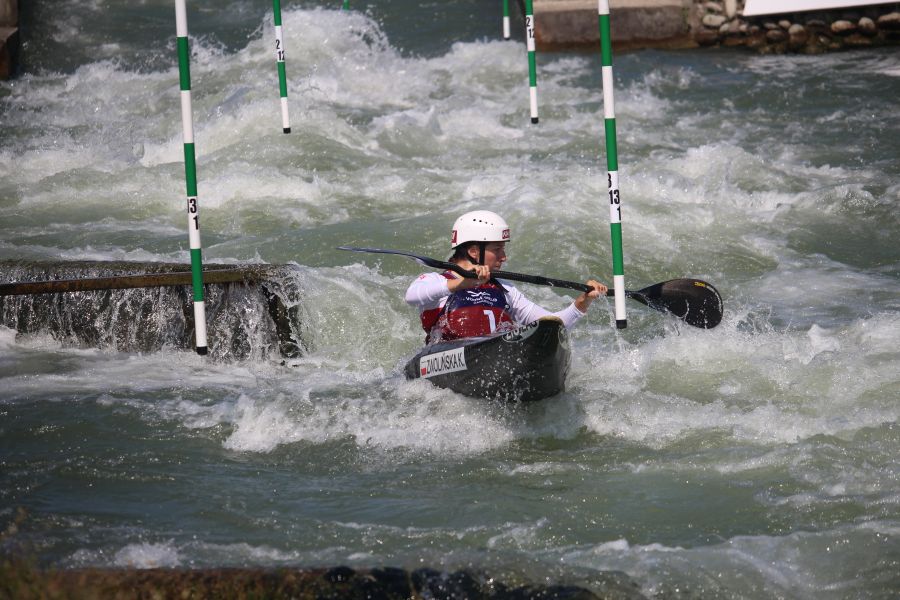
{"type": "Point", "coordinates": [526, 364]}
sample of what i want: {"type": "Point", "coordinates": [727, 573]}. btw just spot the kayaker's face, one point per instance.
{"type": "Point", "coordinates": [494, 255]}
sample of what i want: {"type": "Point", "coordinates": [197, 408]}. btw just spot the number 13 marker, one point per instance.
{"type": "Point", "coordinates": [612, 164]}
{"type": "Point", "coordinates": [190, 175]}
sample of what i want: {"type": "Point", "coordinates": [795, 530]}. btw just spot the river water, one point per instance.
{"type": "Point", "coordinates": [755, 460]}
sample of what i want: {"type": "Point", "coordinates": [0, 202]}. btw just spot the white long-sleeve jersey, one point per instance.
{"type": "Point", "coordinates": [429, 291]}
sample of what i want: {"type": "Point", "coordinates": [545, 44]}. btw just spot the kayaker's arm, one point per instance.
{"type": "Point", "coordinates": [429, 288]}
{"type": "Point", "coordinates": [583, 301]}
{"type": "Point", "coordinates": [524, 310]}
{"type": "Point", "coordinates": [465, 283]}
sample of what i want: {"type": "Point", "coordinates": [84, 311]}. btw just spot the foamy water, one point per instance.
{"type": "Point", "coordinates": [757, 459]}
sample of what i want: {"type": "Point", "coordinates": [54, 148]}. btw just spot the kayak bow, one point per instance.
{"type": "Point", "coordinates": [522, 365]}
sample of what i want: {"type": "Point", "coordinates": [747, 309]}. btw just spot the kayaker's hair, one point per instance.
{"type": "Point", "coordinates": [461, 252]}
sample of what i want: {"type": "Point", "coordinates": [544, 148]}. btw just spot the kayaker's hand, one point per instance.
{"type": "Point", "coordinates": [484, 275]}
{"type": "Point", "coordinates": [584, 300]}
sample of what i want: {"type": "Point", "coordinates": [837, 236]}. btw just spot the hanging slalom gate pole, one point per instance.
{"type": "Point", "coordinates": [282, 74]}
{"type": "Point", "coordinates": [190, 175]}
{"type": "Point", "coordinates": [612, 164]}
{"type": "Point", "coordinates": [346, 5]}
{"type": "Point", "coordinates": [532, 66]}
{"type": "Point", "coordinates": [505, 19]}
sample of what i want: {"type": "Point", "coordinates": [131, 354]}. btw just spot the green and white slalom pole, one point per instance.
{"type": "Point", "coordinates": [505, 19]}
{"type": "Point", "coordinates": [346, 5]}
{"type": "Point", "coordinates": [532, 66]}
{"type": "Point", "coordinates": [612, 164]}
{"type": "Point", "coordinates": [282, 73]}
{"type": "Point", "coordinates": [190, 176]}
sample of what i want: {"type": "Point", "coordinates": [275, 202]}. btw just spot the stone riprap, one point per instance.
{"type": "Point", "coordinates": [808, 32]}
{"type": "Point", "coordinates": [23, 581]}
{"type": "Point", "coordinates": [562, 24]}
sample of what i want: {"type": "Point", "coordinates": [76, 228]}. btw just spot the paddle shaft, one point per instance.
{"type": "Point", "coordinates": [440, 264]}
{"type": "Point", "coordinates": [696, 302]}
{"type": "Point", "coordinates": [535, 279]}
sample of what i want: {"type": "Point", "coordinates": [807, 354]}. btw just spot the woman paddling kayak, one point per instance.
{"type": "Point", "coordinates": [452, 307]}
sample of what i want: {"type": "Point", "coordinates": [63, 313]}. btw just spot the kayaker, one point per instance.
{"type": "Point", "coordinates": [452, 307]}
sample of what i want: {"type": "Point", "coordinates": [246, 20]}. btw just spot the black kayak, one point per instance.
{"type": "Point", "coordinates": [526, 364]}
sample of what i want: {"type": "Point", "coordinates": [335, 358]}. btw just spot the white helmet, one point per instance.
{"type": "Point", "coordinates": [479, 226]}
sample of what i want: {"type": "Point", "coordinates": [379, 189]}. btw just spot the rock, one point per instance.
{"type": "Point", "coordinates": [776, 35]}
{"type": "Point", "coordinates": [890, 21]}
{"type": "Point", "coordinates": [707, 37]}
{"type": "Point", "coordinates": [436, 584]}
{"type": "Point", "coordinates": [713, 21]}
{"type": "Point", "coordinates": [385, 583]}
{"type": "Point", "coordinates": [723, 29]}
{"type": "Point", "coordinates": [9, 45]}
{"type": "Point", "coordinates": [857, 40]}
{"type": "Point", "coordinates": [814, 47]}
{"type": "Point", "coordinates": [784, 24]}
{"type": "Point", "coordinates": [713, 7]}
{"type": "Point", "coordinates": [743, 28]}
{"type": "Point", "coordinates": [797, 36]}
{"type": "Point", "coordinates": [730, 8]}
{"type": "Point", "coordinates": [756, 40]}
{"type": "Point", "coordinates": [843, 27]}
{"type": "Point", "coordinates": [770, 26]}
{"type": "Point", "coordinates": [867, 26]}
{"type": "Point", "coordinates": [754, 29]}
{"type": "Point", "coordinates": [816, 24]}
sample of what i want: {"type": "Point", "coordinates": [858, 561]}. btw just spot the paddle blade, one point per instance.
{"type": "Point", "coordinates": [697, 302]}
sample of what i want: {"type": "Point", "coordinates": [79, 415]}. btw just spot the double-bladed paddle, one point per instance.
{"type": "Point", "coordinates": [694, 301]}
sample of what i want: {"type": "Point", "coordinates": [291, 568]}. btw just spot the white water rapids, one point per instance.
{"type": "Point", "coordinates": [755, 460]}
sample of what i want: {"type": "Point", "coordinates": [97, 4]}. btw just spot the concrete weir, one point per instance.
{"type": "Point", "coordinates": [561, 24]}
{"type": "Point", "coordinates": [252, 311]}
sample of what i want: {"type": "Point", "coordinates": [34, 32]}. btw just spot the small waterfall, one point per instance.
{"type": "Point", "coordinates": [256, 317]}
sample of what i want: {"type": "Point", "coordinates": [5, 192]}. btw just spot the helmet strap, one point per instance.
{"type": "Point", "coordinates": [482, 248]}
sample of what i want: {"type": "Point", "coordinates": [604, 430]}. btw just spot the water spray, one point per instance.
{"type": "Point", "coordinates": [282, 73]}
{"type": "Point", "coordinates": [612, 164]}
{"type": "Point", "coordinates": [190, 175]}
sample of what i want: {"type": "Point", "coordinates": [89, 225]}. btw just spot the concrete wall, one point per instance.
{"type": "Point", "coordinates": [638, 23]}
{"type": "Point", "coordinates": [9, 37]}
